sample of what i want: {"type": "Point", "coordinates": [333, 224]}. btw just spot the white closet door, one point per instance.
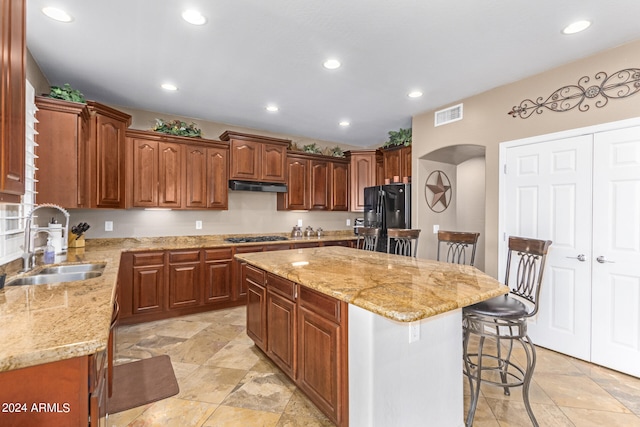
{"type": "Point", "coordinates": [616, 238]}
{"type": "Point", "coordinates": [548, 196]}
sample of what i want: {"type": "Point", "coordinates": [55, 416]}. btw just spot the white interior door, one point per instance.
{"type": "Point", "coordinates": [616, 238]}
{"type": "Point", "coordinates": [548, 196]}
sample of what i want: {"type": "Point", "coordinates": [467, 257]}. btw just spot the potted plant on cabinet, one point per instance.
{"type": "Point", "coordinates": [401, 137]}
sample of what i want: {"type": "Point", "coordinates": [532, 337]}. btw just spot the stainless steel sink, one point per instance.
{"type": "Point", "coordinates": [72, 268]}
{"type": "Point", "coordinates": [42, 279]}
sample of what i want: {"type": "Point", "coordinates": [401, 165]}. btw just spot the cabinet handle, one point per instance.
{"type": "Point", "coordinates": [580, 257]}
{"type": "Point", "coordinates": [601, 259]}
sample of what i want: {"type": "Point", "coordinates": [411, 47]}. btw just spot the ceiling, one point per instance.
{"type": "Point", "coordinates": [252, 53]}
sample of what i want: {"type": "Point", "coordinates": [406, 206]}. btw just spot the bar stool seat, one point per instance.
{"type": "Point", "coordinates": [503, 306]}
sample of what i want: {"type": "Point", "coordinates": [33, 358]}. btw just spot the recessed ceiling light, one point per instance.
{"type": "Point", "coordinates": [169, 86]}
{"type": "Point", "coordinates": [414, 94]}
{"type": "Point", "coordinates": [193, 17]}
{"type": "Point", "coordinates": [57, 14]}
{"type": "Point", "coordinates": [272, 108]}
{"type": "Point", "coordinates": [331, 64]}
{"type": "Point", "coordinates": [344, 123]}
{"type": "Point", "coordinates": [576, 27]}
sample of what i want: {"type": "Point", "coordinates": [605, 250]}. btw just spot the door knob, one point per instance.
{"type": "Point", "coordinates": [601, 259]}
{"type": "Point", "coordinates": [580, 257]}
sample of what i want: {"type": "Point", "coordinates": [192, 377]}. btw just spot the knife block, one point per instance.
{"type": "Point", "coordinates": [75, 241]}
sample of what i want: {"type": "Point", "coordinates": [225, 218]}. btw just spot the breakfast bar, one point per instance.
{"type": "Point", "coordinates": [397, 330]}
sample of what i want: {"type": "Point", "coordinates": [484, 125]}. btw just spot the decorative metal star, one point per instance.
{"type": "Point", "coordinates": [439, 190]}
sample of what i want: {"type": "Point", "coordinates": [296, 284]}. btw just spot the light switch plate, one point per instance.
{"type": "Point", "coordinates": [436, 228]}
{"type": "Point", "coordinates": [108, 226]}
{"type": "Point", "coordinates": [198, 225]}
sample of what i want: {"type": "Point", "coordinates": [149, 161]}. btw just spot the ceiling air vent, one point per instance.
{"type": "Point", "coordinates": [448, 115]}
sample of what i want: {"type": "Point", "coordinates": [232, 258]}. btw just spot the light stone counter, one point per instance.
{"type": "Point", "coordinates": [47, 323]}
{"type": "Point", "coordinates": [403, 289]}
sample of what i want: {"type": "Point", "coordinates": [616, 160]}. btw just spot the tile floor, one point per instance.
{"type": "Point", "coordinates": [225, 381]}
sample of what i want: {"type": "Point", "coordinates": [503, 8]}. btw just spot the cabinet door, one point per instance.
{"type": "Point", "coordinates": [239, 282]}
{"type": "Point", "coordinates": [145, 173]}
{"type": "Point", "coordinates": [320, 185]}
{"type": "Point", "coordinates": [245, 160]}
{"type": "Point", "coordinates": [256, 305]}
{"type": "Point", "coordinates": [274, 160]}
{"type": "Point", "coordinates": [109, 166]}
{"type": "Point", "coordinates": [217, 275]}
{"type": "Point", "coordinates": [12, 78]}
{"type": "Point", "coordinates": [281, 328]}
{"type": "Point", "coordinates": [148, 283]}
{"type": "Point", "coordinates": [363, 174]}
{"type": "Point", "coordinates": [217, 180]}
{"type": "Point", "coordinates": [169, 174]}
{"type": "Point", "coordinates": [392, 164]}
{"type": "Point", "coordinates": [339, 186]}
{"type": "Point", "coordinates": [297, 196]}
{"type": "Point", "coordinates": [184, 278]}
{"type": "Point", "coordinates": [405, 162]}
{"type": "Point", "coordinates": [195, 173]}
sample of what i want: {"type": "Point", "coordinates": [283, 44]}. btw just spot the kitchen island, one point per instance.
{"type": "Point", "coordinates": [375, 339]}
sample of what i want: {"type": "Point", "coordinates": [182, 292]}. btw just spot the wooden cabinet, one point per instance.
{"type": "Point", "coordinates": [364, 170]}
{"type": "Point", "coordinates": [217, 275]}
{"type": "Point", "coordinates": [184, 279]}
{"type": "Point", "coordinates": [71, 392]}
{"type": "Point", "coordinates": [106, 156]}
{"type": "Point", "coordinates": [62, 133]}
{"type": "Point", "coordinates": [147, 287]}
{"type": "Point", "coordinates": [397, 162]}
{"type": "Point", "coordinates": [256, 304]}
{"type": "Point", "coordinates": [239, 284]}
{"type": "Point", "coordinates": [305, 333]}
{"type": "Point", "coordinates": [297, 196]}
{"type": "Point", "coordinates": [12, 101]}
{"type": "Point", "coordinates": [256, 158]}
{"type": "Point", "coordinates": [174, 172]}
{"type": "Point", "coordinates": [315, 183]}
{"type": "Point", "coordinates": [339, 186]}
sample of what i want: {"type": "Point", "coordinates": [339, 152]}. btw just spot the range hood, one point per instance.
{"type": "Point", "coordinates": [271, 187]}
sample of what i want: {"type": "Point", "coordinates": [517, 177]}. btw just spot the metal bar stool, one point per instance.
{"type": "Point", "coordinates": [458, 242]}
{"type": "Point", "coordinates": [404, 240]}
{"type": "Point", "coordinates": [505, 318]}
{"type": "Point", "coordinates": [369, 237]}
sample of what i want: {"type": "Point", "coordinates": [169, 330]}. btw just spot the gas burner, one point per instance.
{"type": "Point", "coordinates": [255, 239]}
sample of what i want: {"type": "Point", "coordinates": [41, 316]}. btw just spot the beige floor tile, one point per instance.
{"type": "Point", "coordinates": [235, 355]}
{"type": "Point", "coordinates": [210, 384]}
{"type": "Point", "coordinates": [124, 418]}
{"type": "Point", "coordinates": [300, 406]}
{"type": "Point", "coordinates": [514, 414]}
{"type": "Point", "coordinates": [175, 412]}
{"type": "Point", "coordinates": [591, 418]}
{"type": "Point", "coordinates": [294, 421]}
{"type": "Point", "coordinates": [262, 392]}
{"type": "Point", "coordinates": [227, 416]}
{"type": "Point", "coordinates": [536, 393]}
{"type": "Point", "coordinates": [179, 328]}
{"type": "Point", "coordinates": [199, 348]}
{"type": "Point", "coordinates": [578, 392]}
{"type": "Point", "coordinates": [183, 370]}
{"type": "Point", "coordinates": [483, 416]}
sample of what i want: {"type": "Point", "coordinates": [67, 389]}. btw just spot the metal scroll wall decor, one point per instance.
{"type": "Point", "coordinates": [620, 84]}
{"type": "Point", "coordinates": [437, 191]}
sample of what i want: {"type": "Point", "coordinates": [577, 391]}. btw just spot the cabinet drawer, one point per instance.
{"type": "Point", "coordinates": [284, 287]}
{"type": "Point", "coordinates": [321, 304]}
{"type": "Point", "coordinates": [302, 245]}
{"type": "Point", "coordinates": [254, 274]}
{"type": "Point", "coordinates": [217, 254]}
{"type": "Point", "coordinates": [148, 258]}
{"type": "Point", "coordinates": [184, 256]}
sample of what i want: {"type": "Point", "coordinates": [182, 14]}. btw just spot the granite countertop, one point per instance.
{"type": "Point", "coordinates": [46, 323]}
{"type": "Point", "coordinates": [400, 288]}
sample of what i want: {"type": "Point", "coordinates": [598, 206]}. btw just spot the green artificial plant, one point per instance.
{"type": "Point", "coordinates": [177, 127]}
{"type": "Point", "coordinates": [398, 138]}
{"type": "Point", "coordinates": [66, 93]}
{"type": "Point", "coordinates": [311, 149]}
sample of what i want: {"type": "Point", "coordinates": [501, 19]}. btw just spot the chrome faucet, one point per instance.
{"type": "Point", "coordinates": [30, 232]}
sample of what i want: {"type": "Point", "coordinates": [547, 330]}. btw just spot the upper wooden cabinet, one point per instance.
{"type": "Point", "coordinates": [62, 133]}
{"type": "Point", "coordinates": [12, 101]}
{"type": "Point", "coordinates": [256, 158]}
{"type": "Point", "coordinates": [397, 162]}
{"type": "Point", "coordinates": [175, 172]}
{"type": "Point", "coordinates": [106, 156]}
{"type": "Point", "coordinates": [364, 168]}
{"type": "Point", "coordinates": [315, 182]}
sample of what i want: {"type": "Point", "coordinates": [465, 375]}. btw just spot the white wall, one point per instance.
{"type": "Point", "coordinates": [249, 212]}
{"type": "Point", "coordinates": [470, 199]}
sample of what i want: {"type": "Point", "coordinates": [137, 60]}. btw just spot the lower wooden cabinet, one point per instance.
{"type": "Point", "coordinates": [184, 279]}
{"type": "Point", "coordinates": [304, 333]}
{"type": "Point", "coordinates": [217, 275]}
{"type": "Point", "coordinates": [69, 392]}
{"type": "Point", "coordinates": [147, 287]}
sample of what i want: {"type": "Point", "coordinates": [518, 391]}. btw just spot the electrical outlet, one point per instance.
{"type": "Point", "coordinates": [414, 332]}
{"type": "Point", "coordinates": [436, 227]}
{"type": "Point", "coordinates": [348, 222]}
{"type": "Point", "coordinates": [299, 223]}
{"type": "Point", "coordinates": [108, 226]}
{"type": "Point", "coordinates": [198, 225]}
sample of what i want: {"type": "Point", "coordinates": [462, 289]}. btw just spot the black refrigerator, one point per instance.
{"type": "Point", "coordinates": [387, 206]}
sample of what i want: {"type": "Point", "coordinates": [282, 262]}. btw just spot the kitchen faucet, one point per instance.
{"type": "Point", "coordinates": [30, 232]}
